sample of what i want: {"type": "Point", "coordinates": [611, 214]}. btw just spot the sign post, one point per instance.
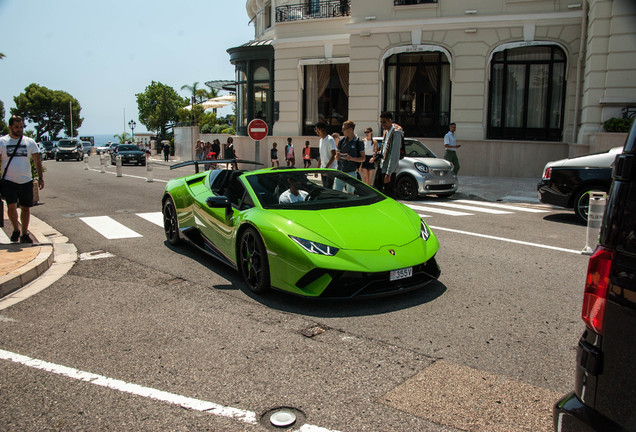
{"type": "Point", "coordinates": [257, 130]}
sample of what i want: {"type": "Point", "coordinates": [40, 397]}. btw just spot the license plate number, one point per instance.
{"type": "Point", "coordinates": [401, 273]}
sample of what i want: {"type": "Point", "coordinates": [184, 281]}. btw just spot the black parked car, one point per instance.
{"type": "Point", "coordinates": [70, 148]}
{"type": "Point", "coordinates": [604, 397]}
{"type": "Point", "coordinates": [129, 153]}
{"type": "Point", "coordinates": [568, 182]}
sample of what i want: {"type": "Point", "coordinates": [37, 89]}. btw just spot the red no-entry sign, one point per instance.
{"type": "Point", "coordinates": [257, 129]}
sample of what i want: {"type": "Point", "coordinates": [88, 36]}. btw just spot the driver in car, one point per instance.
{"type": "Point", "coordinates": [293, 194]}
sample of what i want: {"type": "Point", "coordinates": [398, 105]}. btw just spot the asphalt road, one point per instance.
{"type": "Point", "coordinates": [490, 346]}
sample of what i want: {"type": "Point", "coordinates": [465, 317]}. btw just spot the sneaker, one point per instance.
{"type": "Point", "coordinates": [15, 236]}
{"type": "Point", "coordinates": [25, 239]}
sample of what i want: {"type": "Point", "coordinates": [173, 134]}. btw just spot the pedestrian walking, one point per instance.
{"type": "Point", "coordinates": [290, 155]}
{"type": "Point", "coordinates": [166, 151]}
{"type": "Point", "coordinates": [16, 152]}
{"type": "Point", "coordinates": [229, 152]}
{"type": "Point", "coordinates": [199, 150]}
{"type": "Point", "coordinates": [307, 155]}
{"type": "Point", "coordinates": [451, 146]}
{"type": "Point", "coordinates": [370, 149]}
{"type": "Point", "coordinates": [392, 141]}
{"type": "Point", "coordinates": [326, 152]}
{"type": "Point", "coordinates": [350, 152]}
{"type": "Point", "coordinates": [273, 153]}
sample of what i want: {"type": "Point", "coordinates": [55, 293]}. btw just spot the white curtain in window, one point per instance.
{"type": "Point", "coordinates": [317, 79]}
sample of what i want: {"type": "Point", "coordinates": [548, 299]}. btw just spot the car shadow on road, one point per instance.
{"type": "Point", "coordinates": [564, 218]}
{"type": "Point", "coordinates": [337, 308]}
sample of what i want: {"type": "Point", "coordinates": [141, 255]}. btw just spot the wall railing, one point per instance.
{"type": "Point", "coordinates": [313, 10]}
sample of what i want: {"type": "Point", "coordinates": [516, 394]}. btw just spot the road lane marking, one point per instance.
{"type": "Point", "coordinates": [241, 415]}
{"type": "Point", "coordinates": [471, 208]}
{"type": "Point", "coordinates": [507, 240]}
{"type": "Point", "coordinates": [128, 175]}
{"type": "Point", "coordinates": [503, 206]}
{"type": "Point", "coordinates": [429, 209]}
{"type": "Point", "coordinates": [154, 217]}
{"type": "Point", "coordinates": [109, 227]}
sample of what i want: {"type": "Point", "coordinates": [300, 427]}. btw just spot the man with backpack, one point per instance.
{"type": "Point", "coordinates": [350, 153]}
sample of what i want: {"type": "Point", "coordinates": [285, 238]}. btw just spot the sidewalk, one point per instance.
{"type": "Point", "coordinates": [26, 269]}
{"type": "Point", "coordinates": [21, 264]}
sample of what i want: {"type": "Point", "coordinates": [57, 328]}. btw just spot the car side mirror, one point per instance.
{"type": "Point", "coordinates": [220, 202]}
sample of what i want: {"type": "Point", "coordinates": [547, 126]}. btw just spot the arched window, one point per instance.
{"type": "Point", "coordinates": [417, 91]}
{"type": "Point", "coordinates": [527, 93]}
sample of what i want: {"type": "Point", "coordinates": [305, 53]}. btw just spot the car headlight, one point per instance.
{"type": "Point", "coordinates": [424, 231]}
{"type": "Point", "coordinates": [315, 247]}
{"type": "Point", "coordinates": [421, 167]}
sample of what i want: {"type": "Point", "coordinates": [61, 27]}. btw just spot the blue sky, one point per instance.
{"type": "Point", "coordinates": [104, 52]}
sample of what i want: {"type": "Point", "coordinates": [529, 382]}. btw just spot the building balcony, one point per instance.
{"type": "Point", "coordinates": [412, 2]}
{"type": "Point", "coordinates": [313, 10]}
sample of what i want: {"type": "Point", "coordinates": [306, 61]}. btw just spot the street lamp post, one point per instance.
{"type": "Point", "coordinates": [132, 126]}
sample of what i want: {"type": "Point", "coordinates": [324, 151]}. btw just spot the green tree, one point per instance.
{"type": "Point", "coordinates": [4, 129]}
{"type": "Point", "coordinates": [49, 110]}
{"type": "Point", "coordinates": [125, 136]}
{"type": "Point", "coordinates": [158, 106]}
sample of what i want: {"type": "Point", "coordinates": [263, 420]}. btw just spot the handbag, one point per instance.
{"type": "Point", "coordinates": [2, 182]}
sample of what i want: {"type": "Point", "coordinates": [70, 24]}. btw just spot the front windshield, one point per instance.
{"type": "Point", "coordinates": [127, 148]}
{"type": "Point", "coordinates": [310, 190]}
{"type": "Point", "coordinates": [414, 148]}
{"type": "Point", "coordinates": [67, 144]}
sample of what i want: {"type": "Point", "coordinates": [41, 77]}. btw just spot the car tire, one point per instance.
{"type": "Point", "coordinates": [406, 188]}
{"type": "Point", "coordinates": [252, 261]}
{"type": "Point", "coordinates": [171, 222]}
{"type": "Point", "coordinates": [582, 202]}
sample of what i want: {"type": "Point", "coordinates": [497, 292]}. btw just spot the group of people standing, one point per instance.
{"type": "Point", "coordinates": [212, 150]}
{"type": "Point", "coordinates": [377, 165]}
{"type": "Point", "coordinates": [290, 154]}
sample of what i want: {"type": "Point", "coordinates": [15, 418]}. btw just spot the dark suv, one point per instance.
{"type": "Point", "coordinates": [604, 397]}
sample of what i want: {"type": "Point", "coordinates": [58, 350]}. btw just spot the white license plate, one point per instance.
{"type": "Point", "coordinates": [401, 273]}
{"type": "Point", "coordinates": [132, 160]}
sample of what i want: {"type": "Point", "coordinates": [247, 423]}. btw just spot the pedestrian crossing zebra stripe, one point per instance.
{"type": "Point", "coordinates": [471, 208]}
{"type": "Point", "coordinates": [109, 227]}
{"type": "Point", "coordinates": [429, 209]}
{"type": "Point", "coordinates": [154, 217]}
{"type": "Point", "coordinates": [503, 206]}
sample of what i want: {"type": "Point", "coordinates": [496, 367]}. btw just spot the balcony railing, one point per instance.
{"type": "Point", "coordinates": [313, 10]}
{"type": "Point", "coordinates": [412, 2]}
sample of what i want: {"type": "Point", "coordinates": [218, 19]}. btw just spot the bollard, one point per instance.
{"type": "Point", "coordinates": [148, 170]}
{"type": "Point", "coordinates": [118, 164]}
{"type": "Point", "coordinates": [85, 162]}
{"type": "Point", "coordinates": [102, 163]}
{"type": "Point", "coordinates": [594, 220]}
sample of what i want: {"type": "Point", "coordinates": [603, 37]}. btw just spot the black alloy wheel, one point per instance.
{"type": "Point", "coordinates": [406, 188]}
{"type": "Point", "coordinates": [171, 222]}
{"type": "Point", "coordinates": [252, 261]}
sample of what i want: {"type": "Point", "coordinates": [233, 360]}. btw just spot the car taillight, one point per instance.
{"type": "Point", "coordinates": [596, 287]}
{"type": "Point", "coordinates": [547, 174]}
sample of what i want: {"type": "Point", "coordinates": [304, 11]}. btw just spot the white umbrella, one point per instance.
{"type": "Point", "coordinates": [209, 104]}
{"type": "Point", "coordinates": [225, 98]}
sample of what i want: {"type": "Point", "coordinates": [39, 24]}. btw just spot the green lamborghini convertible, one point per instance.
{"type": "Point", "coordinates": [310, 232]}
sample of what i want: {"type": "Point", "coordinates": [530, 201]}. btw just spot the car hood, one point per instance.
{"type": "Point", "coordinates": [433, 163]}
{"type": "Point", "coordinates": [597, 160]}
{"type": "Point", "coordinates": [354, 228]}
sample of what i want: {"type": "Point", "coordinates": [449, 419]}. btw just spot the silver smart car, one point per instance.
{"type": "Point", "coordinates": [421, 172]}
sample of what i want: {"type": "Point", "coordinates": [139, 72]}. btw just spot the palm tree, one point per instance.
{"type": "Point", "coordinates": [2, 56]}
{"type": "Point", "coordinates": [193, 89]}
{"type": "Point", "coordinates": [122, 138]}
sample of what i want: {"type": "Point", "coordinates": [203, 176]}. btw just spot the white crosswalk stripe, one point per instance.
{"type": "Point", "coordinates": [109, 227]}
{"type": "Point", "coordinates": [430, 209]}
{"type": "Point", "coordinates": [471, 208]}
{"type": "Point", "coordinates": [154, 217]}
{"type": "Point", "coordinates": [503, 206]}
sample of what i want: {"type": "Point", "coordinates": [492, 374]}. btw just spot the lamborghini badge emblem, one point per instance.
{"type": "Point", "coordinates": [391, 251]}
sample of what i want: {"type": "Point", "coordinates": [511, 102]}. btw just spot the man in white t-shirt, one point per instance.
{"type": "Point", "coordinates": [17, 184]}
{"type": "Point", "coordinates": [451, 146]}
{"type": "Point", "coordinates": [293, 194]}
{"type": "Point", "coordinates": [327, 150]}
